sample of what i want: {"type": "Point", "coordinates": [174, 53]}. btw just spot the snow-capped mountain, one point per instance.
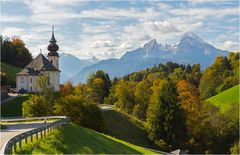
{"type": "Point", "coordinates": [190, 50]}
{"type": "Point", "coordinates": [70, 65]}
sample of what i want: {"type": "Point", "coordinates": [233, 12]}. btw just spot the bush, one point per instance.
{"type": "Point", "coordinates": [37, 106]}
{"type": "Point", "coordinates": [235, 149]}
{"type": "Point", "coordinates": [80, 111]}
{"type": "Point", "coordinates": [41, 104]}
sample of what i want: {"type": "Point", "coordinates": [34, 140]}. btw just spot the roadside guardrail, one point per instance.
{"type": "Point", "coordinates": [11, 146]}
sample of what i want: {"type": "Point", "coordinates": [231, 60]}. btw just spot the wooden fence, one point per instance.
{"type": "Point", "coordinates": [39, 133]}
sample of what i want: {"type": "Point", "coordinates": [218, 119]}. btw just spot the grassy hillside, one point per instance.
{"type": "Point", "coordinates": [73, 139]}
{"type": "Point", "coordinates": [10, 71]}
{"type": "Point", "coordinates": [225, 98]}
{"type": "Point", "coordinates": [127, 128]}
{"type": "Point", "coordinates": [13, 107]}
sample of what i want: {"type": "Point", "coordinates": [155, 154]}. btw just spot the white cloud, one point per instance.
{"type": "Point", "coordinates": [100, 28]}
{"type": "Point", "coordinates": [52, 12]}
{"type": "Point", "coordinates": [9, 31]}
{"type": "Point", "coordinates": [204, 12]}
{"type": "Point", "coordinates": [231, 45]}
{"type": "Point", "coordinates": [10, 18]}
{"type": "Point", "coordinates": [103, 43]}
{"type": "Point", "coordinates": [163, 27]}
{"type": "Point", "coordinates": [160, 30]}
{"type": "Point", "coordinates": [112, 31]}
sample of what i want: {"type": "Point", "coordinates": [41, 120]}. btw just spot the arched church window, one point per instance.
{"type": "Point", "coordinates": [22, 79]}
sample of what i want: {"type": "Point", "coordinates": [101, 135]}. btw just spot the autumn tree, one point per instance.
{"type": "Point", "coordinates": [195, 75]}
{"type": "Point", "coordinates": [142, 95]}
{"type": "Point", "coordinates": [112, 98]}
{"type": "Point", "coordinates": [165, 118]}
{"type": "Point", "coordinates": [95, 92]}
{"type": "Point", "coordinates": [125, 95]}
{"type": "Point", "coordinates": [66, 89]}
{"type": "Point", "coordinates": [14, 52]}
{"type": "Point", "coordinates": [98, 85]}
{"type": "Point", "coordinates": [216, 77]}
{"type": "Point", "coordinates": [80, 90]}
{"type": "Point", "coordinates": [190, 103]}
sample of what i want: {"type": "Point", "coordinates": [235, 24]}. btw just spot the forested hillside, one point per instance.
{"type": "Point", "coordinates": [169, 98]}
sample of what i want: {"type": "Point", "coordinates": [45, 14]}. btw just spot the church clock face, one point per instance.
{"type": "Point", "coordinates": [22, 79]}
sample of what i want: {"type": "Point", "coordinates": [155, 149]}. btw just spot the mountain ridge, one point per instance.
{"type": "Point", "coordinates": [190, 50]}
{"type": "Point", "coordinates": [71, 65]}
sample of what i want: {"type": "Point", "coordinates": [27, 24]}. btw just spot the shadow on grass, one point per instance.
{"type": "Point", "coordinates": [73, 139]}
{"type": "Point", "coordinates": [87, 141]}
{"type": "Point", "coordinates": [119, 125]}
{"type": "Point", "coordinates": [13, 107]}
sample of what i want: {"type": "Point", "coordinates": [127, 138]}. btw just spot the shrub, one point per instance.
{"type": "Point", "coordinates": [235, 149]}
{"type": "Point", "coordinates": [37, 106]}
{"type": "Point", "coordinates": [80, 111]}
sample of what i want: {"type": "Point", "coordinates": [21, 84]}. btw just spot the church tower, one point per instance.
{"type": "Point", "coordinates": [53, 56]}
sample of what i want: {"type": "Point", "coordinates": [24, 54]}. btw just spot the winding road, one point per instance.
{"type": "Point", "coordinates": [14, 129]}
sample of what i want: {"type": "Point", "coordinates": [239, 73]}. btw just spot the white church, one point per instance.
{"type": "Point", "coordinates": [27, 79]}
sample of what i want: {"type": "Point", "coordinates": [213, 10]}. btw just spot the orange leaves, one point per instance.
{"type": "Point", "coordinates": [17, 41]}
{"type": "Point", "coordinates": [188, 95]}
{"type": "Point", "coordinates": [66, 89]}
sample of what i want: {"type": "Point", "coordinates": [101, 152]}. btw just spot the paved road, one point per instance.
{"type": "Point", "coordinates": [11, 96]}
{"type": "Point", "coordinates": [16, 129]}
{"type": "Point", "coordinates": [106, 107]}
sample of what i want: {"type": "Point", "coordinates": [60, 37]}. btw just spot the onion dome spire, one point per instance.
{"type": "Point", "coordinates": [53, 40]}
{"type": "Point", "coordinates": [53, 47]}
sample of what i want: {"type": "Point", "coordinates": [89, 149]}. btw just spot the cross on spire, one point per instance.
{"type": "Point", "coordinates": [53, 40]}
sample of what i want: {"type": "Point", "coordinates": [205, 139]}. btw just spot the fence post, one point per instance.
{"type": "Point", "coordinates": [44, 132]}
{"type": "Point", "coordinates": [14, 146]}
{"type": "Point", "coordinates": [41, 133]}
{"type": "Point", "coordinates": [36, 135]}
{"type": "Point", "coordinates": [20, 142]}
{"type": "Point", "coordinates": [26, 137]}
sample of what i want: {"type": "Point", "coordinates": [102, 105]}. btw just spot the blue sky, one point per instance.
{"type": "Point", "coordinates": [108, 29]}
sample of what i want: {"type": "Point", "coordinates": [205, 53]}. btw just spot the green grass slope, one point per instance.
{"type": "Point", "coordinates": [224, 99]}
{"type": "Point", "coordinates": [10, 70]}
{"type": "Point", "coordinates": [73, 139]}
{"type": "Point", "coordinates": [127, 128]}
{"type": "Point", "coordinates": [13, 107]}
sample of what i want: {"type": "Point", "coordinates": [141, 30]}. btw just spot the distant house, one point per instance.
{"type": "Point", "coordinates": [27, 79]}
